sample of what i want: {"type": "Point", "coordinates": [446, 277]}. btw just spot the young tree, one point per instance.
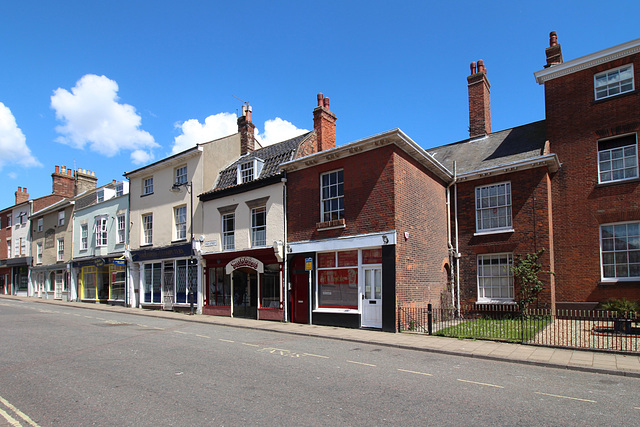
{"type": "Point", "coordinates": [525, 271]}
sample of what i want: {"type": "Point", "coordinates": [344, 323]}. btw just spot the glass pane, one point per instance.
{"type": "Point", "coordinates": [367, 284]}
{"type": "Point", "coordinates": [378, 282]}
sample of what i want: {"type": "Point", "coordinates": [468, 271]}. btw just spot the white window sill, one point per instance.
{"type": "Point", "coordinates": [337, 310]}
{"type": "Point", "coordinates": [496, 302]}
{"type": "Point", "coordinates": [620, 281]}
{"type": "Point", "coordinates": [499, 231]}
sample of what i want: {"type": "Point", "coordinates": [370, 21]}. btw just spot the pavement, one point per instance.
{"type": "Point", "coordinates": [579, 360]}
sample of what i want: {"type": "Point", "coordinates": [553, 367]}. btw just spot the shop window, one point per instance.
{"type": "Point", "coordinates": [152, 281]}
{"type": "Point", "coordinates": [372, 256]}
{"type": "Point", "coordinates": [219, 287]}
{"type": "Point", "coordinates": [117, 285]}
{"type": "Point", "coordinates": [89, 282]}
{"type": "Point", "coordinates": [338, 279]}
{"type": "Point", "coordinates": [270, 291]}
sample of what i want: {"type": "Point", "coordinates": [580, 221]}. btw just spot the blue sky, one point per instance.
{"type": "Point", "coordinates": [112, 85]}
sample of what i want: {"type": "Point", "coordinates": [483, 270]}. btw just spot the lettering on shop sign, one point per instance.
{"type": "Point", "coordinates": [245, 262]}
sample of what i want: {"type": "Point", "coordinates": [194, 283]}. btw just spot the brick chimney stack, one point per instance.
{"type": "Point", "coordinates": [554, 52]}
{"type": "Point", "coordinates": [21, 195]}
{"type": "Point", "coordinates": [63, 182]}
{"type": "Point", "coordinates": [85, 180]}
{"type": "Point", "coordinates": [247, 131]}
{"type": "Point", "coordinates": [324, 124]}
{"type": "Point", "coordinates": [479, 101]}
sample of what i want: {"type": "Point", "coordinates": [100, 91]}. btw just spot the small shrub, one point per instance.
{"type": "Point", "coordinates": [622, 305]}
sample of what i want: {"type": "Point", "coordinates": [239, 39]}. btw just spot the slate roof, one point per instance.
{"type": "Point", "coordinates": [272, 155]}
{"type": "Point", "coordinates": [499, 148]}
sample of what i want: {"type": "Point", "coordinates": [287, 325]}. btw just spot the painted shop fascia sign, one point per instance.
{"type": "Point", "coordinates": [245, 262]}
{"type": "Point", "coordinates": [178, 251]}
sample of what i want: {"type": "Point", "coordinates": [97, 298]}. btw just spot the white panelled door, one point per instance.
{"type": "Point", "coordinates": [372, 298]}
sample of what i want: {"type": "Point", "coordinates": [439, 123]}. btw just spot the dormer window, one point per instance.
{"type": "Point", "coordinates": [119, 189]}
{"type": "Point", "coordinates": [100, 196]}
{"type": "Point", "coordinates": [250, 170]}
{"type": "Point", "coordinates": [614, 82]}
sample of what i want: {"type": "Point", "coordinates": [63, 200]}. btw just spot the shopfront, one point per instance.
{"type": "Point", "coordinates": [53, 281]}
{"type": "Point", "coordinates": [168, 277]}
{"type": "Point", "coordinates": [102, 280]}
{"type": "Point", "coordinates": [347, 283]}
{"type": "Point", "coordinates": [247, 284]}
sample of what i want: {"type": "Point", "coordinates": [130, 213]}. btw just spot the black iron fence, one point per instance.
{"type": "Point", "coordinates": [580, 329]}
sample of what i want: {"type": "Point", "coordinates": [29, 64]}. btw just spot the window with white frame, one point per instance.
{"type": "Point", "coordinates": [8, 248]}
{"type": "Point", "coordinates": [60, 249]}
{"type": "Point", "coordinates": [246, 172]}
{"type": "Point", "coordinates": [495, 278]}
{"type": "Point", "coordinates": [39, 253]}
{"type": "Point", "coordinates": [493, 207]}
{"type": "Point", "coordinates": [121, 228]}
{"type": "Point", "coordinates": [620, 250]}
{"type": "Point", "coordinates": [60, 217]}
{"type": "Point", "coordinates": [16, 253]}
{"type": "Point", "coordinates": [40, 224]}
{"type": "Point", "coordinates": [23, 246]}
{"type": "Point", "coordinates": [101, 231]}
{"type": "Point", "coordinates": [259, 226]}
{"type": "Point", "coordinates": [119, 189]}
{"type": "Point", "coordinates": [614, 82]}
{"type": "Point", "coordinates": [9, 220]}
{"type": "Point", "coordinates": [618, 158]}
{"type": "Point", "coordinates": [100, 196]}
{"type": "Point", "coordinates": [147, 229]}
{"type": "Point", "coordinates": [228, 231]}
{"type": "Point", "coordinates": [181, 175]}
{"type": "Point", "coordinates": [180, 215]}
{"type": "Point", "coordinates": [332, 196]}
{"type": "Point", "coordinates": [147, 186]}
{"type": "Point", "coordinates": [84, 236]}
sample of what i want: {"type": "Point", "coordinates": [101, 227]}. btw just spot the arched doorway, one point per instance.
{"type": "Point", "coordinates": [245, 293]}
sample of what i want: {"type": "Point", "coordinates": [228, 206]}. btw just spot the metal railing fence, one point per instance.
{"type": "Point", "coordinates": [580, 329]}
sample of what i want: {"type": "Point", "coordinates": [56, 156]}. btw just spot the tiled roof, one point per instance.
{"type": "Point", "coordinates": [272, 156]}
{"type": "Point", "coordinates": [499, 148]}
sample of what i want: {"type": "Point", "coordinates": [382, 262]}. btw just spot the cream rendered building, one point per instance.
{"type": "Point", "coordinates": [164, 214]}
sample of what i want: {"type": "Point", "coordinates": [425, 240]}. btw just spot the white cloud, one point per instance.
{"type": "Point", "coordinates": [141, 157]}
{"type": "Point", "coordinates": [13, 146]}
{"type": "Point", "coordinates": [278, 130]}
{"type": "Point", "coordinates": [223, 124]}
{"type": "Point", "coordinates": [194, 132]}
{"type": "Point", "coordinates": [92, 116]}
{"type": "Point", "coordinates": [12, 175]}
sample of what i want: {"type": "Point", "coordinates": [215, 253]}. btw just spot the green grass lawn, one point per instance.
{"type": "Point", "coordinates": [511, 330]}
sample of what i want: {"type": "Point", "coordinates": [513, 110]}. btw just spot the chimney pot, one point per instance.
{"type": "Point", "coordinates": [553, 38]}
{"type": "Point", "coordinates": [554, 51]}
{"type": "Point", "coordinates": [326, 102]}
{"type": "Point", "coordinates": [24, 190]}
{"type": "Point", "coordinates": [19, 189]}
{"type": "Point", "coordinates": [473, 68]}
{"type": "Point", "coordinates": [320, 97]}
{"type": "Point", "coordinates": [57, 169]}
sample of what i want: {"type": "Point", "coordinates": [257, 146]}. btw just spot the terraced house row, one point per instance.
{"type": "Point", "coordinates": [311, 231]}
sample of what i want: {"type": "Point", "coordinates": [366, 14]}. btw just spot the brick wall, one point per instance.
{"type": "Point", "coordinates": [531, 224]}
{"type": "Point", "coordinates": [385, 189]}
{"type": "Point", "coordinates": [420, 211]}
{"type": "Point", "coordinates": [368, 189]}
{"type": "Point", "coordinates": [575, 122]}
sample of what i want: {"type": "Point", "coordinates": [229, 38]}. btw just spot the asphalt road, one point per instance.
{"type": "Point", "coordinates": [74, 367]}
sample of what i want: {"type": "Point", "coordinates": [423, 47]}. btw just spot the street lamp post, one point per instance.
{"type": "Point", "coordinates": [176, 188]}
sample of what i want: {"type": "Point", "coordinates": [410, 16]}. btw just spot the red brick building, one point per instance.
{"type": "Point", "coordinates": [367, 229]}
{"type": "Point", "coordinates": [593, 120]}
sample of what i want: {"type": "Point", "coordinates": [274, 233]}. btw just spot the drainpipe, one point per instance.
{"type": "Point", "coordinates": [453, 252]}
{"type": "Point", "coordinates": [455, 192]}
{"type": "Point", "coordinates": [285, 277]}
